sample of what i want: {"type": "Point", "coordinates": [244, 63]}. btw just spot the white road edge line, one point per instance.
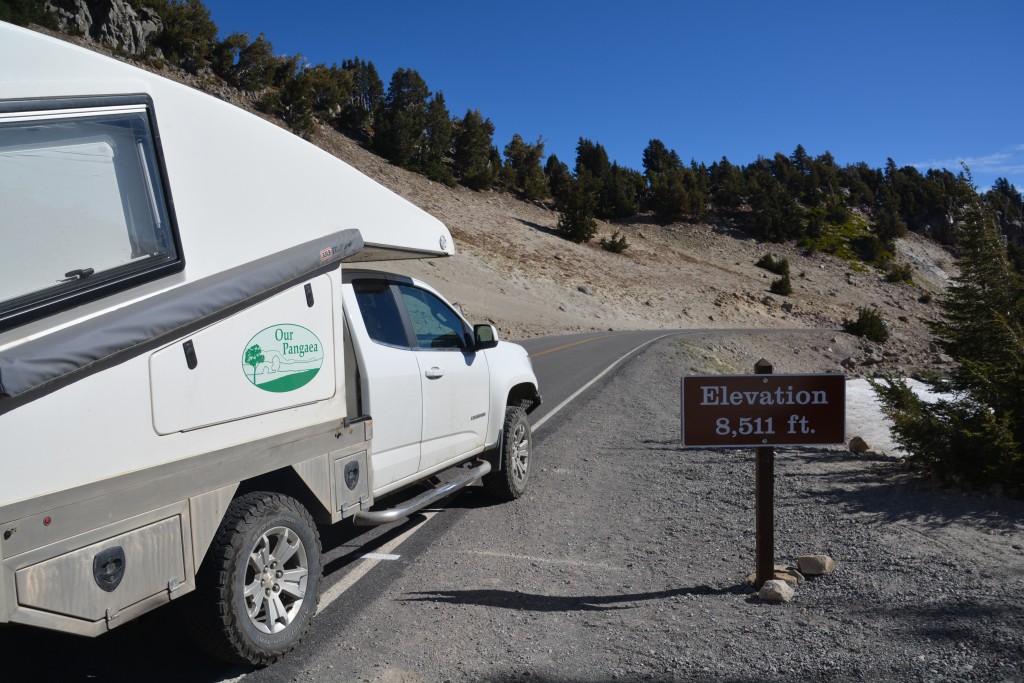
{"type": "Point", "coordinates": [373, 559]}
{"type": "Point", "coordinates": [586, 386]}
{"type": "Point", "coordinates": [380, 556]}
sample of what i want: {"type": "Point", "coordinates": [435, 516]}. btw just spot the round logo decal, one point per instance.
{"type": "Point", "coordinates": [282, 358]}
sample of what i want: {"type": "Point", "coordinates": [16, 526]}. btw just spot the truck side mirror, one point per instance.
{"type": "Point", "coordinates": [485, 337]}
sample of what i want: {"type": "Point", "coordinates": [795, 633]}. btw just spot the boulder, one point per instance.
{"type": "Point", "coordinates": [776, 591]}
{"type": "Point", "coordinates": [787, 574]}
{"type": "Point", "coordinates": [73, 15]}
{"type": "Point", "coordinates": [816, 565]}
{"type": "Point", "coordinates": [586, 289]}
{"type": "Point", "coordinates": [117, 24]}
{"type": "Point", "coordinates": [858, 445]}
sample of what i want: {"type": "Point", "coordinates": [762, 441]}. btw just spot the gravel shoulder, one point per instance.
{"type": "Point", "coordinates": [627, 559]}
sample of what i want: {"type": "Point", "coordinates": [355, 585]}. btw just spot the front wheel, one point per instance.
{"type": "Point", "coordinates": [509, 482]}
{"type": "Point", "coordinates": [257, 590]}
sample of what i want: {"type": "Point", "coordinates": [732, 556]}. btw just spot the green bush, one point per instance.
{"type": "Point", "coordinates": [868, 324]}
{"type": "Point", "coordinates": [925, 298]}
{"type": "Point", "coordinates": [768, 262]}
{"type": "Point", "coordinates": [900, 272]}
{"type": "Point", "coordinates": [782, 286]}
{"type": "Point", "coordinates": [617, 244]}
{"type": "Point", "coordinates": [869, 248]}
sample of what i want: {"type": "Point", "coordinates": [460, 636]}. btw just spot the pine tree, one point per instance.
{"type": "Point", "coordinates": [225, 54]}
{"type": "Point", "coordinates": [314, 92]}
{"type": "Point", "coordinates": [522, 160]}
{"type": "Point", "coordinates": [255, 67]}
{"type": "Point", "coordinates": [659, 159]}
{"type": "Point", "coordinates": [669, 198]}
{"type": "Point", "coordinates": [558, 177]}
{"type": "Point", "coordinates": [576, 221]}
{"type": "Point", "coordinates": [620, 192]}
{"type": "Point", "coordinates": [189, 36]}
{"type": "Point", "coordinates": [776, 215]}
{"type": "Point", "coordinates": [726, 185]}
{"type": "Point", "coordinates": [472, 156]}
{"type": "Point", "coordinates": [437, 143]}
{"type": "Point", "coordinates": [366, 97]}
{"type": "Point", "coordinates": [592, 158]}
{"type": "Point", "coordinates": [403, 120]}
{"type": "Point", "coordinates": [978, 434]}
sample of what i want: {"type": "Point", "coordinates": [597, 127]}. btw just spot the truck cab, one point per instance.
{"type": "Point", "coordinates": [437, 391]}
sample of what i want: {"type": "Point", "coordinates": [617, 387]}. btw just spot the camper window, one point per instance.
{"type": "Point", "coordinates": [82, 206]}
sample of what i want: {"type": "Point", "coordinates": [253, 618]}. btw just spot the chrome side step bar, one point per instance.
{"type": "Point", "coordinates": [425, 499]}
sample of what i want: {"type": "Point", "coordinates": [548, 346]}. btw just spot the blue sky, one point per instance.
{"type": "Point", "coordinates": [927, 83]}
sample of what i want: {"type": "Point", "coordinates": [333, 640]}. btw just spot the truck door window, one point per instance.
{"type": "Point", "coordinates": [380, 312]}
{"type": "Point", "coordinates": [436, 325]}
{"type": "Point", "coordinates": [82, 206]}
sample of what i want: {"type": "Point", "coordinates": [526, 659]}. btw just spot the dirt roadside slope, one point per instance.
{"type": "Point", "coordinates": [511, 268]}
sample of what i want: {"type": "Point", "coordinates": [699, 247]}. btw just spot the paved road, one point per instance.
{"type": "Point", "coordinates": [158, 643]}
{"type": "Point", "coordinates": [568, 365]}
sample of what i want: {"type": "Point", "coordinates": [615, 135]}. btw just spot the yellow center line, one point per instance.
{"type": "Point", "coordinates": [565, 346]}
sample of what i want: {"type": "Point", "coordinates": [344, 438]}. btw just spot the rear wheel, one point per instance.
{"type": "Point", "coordinates": [257, 590]}
{"type": "Point", "coordinates": [510, 481]}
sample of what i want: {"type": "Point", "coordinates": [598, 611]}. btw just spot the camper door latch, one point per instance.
{"type": "Point", "coordinates": [190, 355]}
{"type": "Point", "coordinates": [309, 295]}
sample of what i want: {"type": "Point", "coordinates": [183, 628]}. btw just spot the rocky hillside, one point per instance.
{"type": "Point", "coordinates": [512, 269]}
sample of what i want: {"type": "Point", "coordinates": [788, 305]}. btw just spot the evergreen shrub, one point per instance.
{"type": "Point", "coordinates": [768, 262]}
{"type": "Point", "coordinates": [869, 324]}
{"type": "Point", "coordinates": [617, 244]}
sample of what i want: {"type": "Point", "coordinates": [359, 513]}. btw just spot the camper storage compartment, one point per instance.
{"type": "Point", "coordinates": [351, 482]}
{"type": "Point", "coordinates": [129, 571]}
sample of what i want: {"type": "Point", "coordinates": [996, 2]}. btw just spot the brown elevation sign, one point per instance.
{"type": "Point", "coordinates": [763, 410]}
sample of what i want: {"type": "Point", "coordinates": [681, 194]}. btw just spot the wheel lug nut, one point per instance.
{"type": "Point", "coordinates": [280, 574]}
{"type": "Point", "coordinates": [268, 591]}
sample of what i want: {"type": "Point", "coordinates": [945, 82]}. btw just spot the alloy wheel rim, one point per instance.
{"type": "Point", "coordinates": [520, 455]}
{"type": "Point", "coordinates": [275, 580]}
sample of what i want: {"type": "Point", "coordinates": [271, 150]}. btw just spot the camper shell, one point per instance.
{"type": "Point", "coordinates": [183, 341]}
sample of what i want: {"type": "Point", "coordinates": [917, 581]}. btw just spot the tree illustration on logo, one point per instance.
{"type": "Point", "coordinates": [253, 357]}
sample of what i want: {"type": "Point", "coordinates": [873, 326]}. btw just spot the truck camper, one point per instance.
{"type": "Point", "coordinates": [193, 376]}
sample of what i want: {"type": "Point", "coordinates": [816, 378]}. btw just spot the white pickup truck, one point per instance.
{"type": "Point", "coordinates": [191, 381]}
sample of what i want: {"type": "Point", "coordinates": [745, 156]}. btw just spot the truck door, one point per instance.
{"type": "Point", "coordinates": [390, 379]}
{"type": "Point", "coordinates": [455, 381]}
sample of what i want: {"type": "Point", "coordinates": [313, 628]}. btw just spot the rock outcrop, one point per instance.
{"type": "Point", "coordinates": [113, 23]}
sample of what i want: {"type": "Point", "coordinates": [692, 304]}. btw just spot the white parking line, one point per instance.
{"type": "Point", "coordinates": [586, 386]}
{"type": "Point", "coordinates": [372, 560]}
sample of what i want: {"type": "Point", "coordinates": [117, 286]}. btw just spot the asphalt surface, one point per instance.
{"type": "Point", "coordinates": [157, 646]}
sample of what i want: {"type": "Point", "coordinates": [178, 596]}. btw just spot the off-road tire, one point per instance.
{"type": "Point", "coordinates": [219, 611]}
{"type": "Point", "coordinates": [510, 481]}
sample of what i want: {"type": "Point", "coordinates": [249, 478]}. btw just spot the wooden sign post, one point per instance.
{"type": "Point", "coordinates": [763, 410]}
{"type": "Point", "coordinates": [764, 502]}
